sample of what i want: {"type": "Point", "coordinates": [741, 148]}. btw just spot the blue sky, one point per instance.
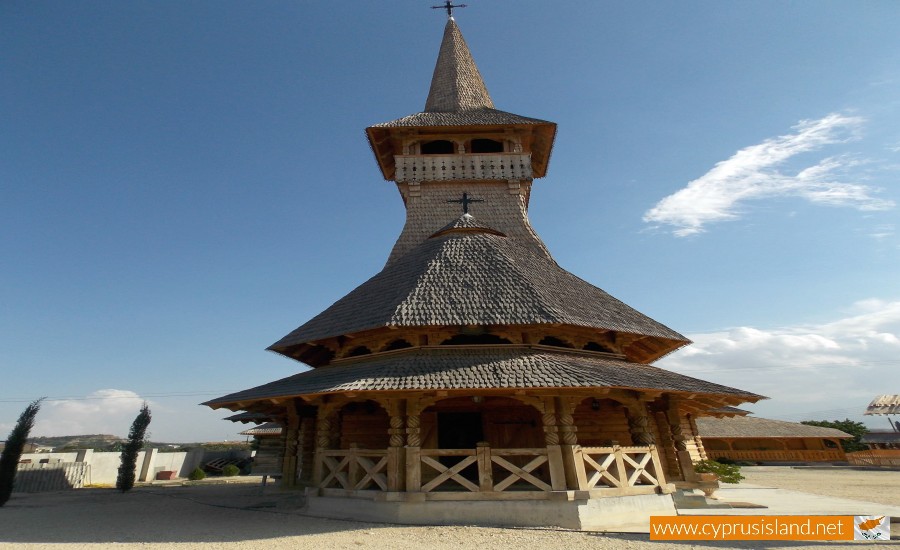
{"type": "Point", "coordinates": [181, 184]}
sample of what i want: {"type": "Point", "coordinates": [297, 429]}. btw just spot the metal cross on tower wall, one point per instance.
{"type": "Point", "coordinates": [465, 201]}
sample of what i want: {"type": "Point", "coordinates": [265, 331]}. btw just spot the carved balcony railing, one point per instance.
{"type": "Point", "coordinates": [623, 469]}
{"type": "Point", "coordinates": [494, 166]}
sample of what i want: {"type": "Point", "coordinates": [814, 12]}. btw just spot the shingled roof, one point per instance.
{"type": "Point", "coordinates": [269, 428]}
{"type": "Point", "coordinates": [884, 404]}
{"type": "Point", "coordinates": [747, 426]}
{"type": "Point", "coordinates": [458, 96]}
{"type": "Point", "coordinates": [478, 367]}
{"type": "Point", "coordinates": [475, 278]}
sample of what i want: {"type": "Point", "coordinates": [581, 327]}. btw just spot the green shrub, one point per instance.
{"type": "Point", "coordinates": [725, 460]}
{"type": "Point", "coordinates": [230, 470]}
{"type": "Point", "coordinates": [197, 474]}
{"type": "Point", "coordinates": [728, 473]}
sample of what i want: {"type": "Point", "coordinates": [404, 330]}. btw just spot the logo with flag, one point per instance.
{"type": "Point", "coordinates": [871, 528]}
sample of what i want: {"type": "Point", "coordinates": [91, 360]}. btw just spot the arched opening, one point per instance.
{"type": "Point", "coordinates": [482, 145]}
{"type": "Point", "coordinates": [594, 346]}
{"type": "Point", "coordinates": [438, 147]}
{"type": "Point", "coordinates": [357, 351]}
{"type": "Point", "coordinates": [602, 423]}
{"type": "Point", "coordinates": [474, 339]}
{"type": "Point", "coordinates": [316, 355]}
{"type": "Point", "coordinates": [399, 343]}
{"type": "Point", "coordinates": [463, 422]}
{"type": "Point", "coordinates": [554, 341]}
{"type": "Point", "coordinates": [364, 423]}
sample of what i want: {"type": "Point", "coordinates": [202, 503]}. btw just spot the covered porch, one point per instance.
{"type": "Point", "coordinates": [442, 446]}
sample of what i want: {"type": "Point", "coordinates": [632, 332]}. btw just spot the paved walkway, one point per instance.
{"type": "Point", "coordinates": [786, 502]}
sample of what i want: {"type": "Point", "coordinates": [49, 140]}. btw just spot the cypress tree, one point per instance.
{"type": "Point", "coordinates": [12, 452]}
{"type": "Point", "coordinates": [125, 479]}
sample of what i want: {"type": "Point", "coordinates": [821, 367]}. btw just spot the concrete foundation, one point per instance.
{"type": "Point", "coordinates": [625, 514]}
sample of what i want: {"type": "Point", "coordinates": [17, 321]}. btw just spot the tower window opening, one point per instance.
{"type": "Point", "coordinates": [594, 346]}
{"type": "Point", "coordinates": [359, 350]}
{"type": "Point", "coordinates": [554, 341]}
{"type": "Point", "coordinates": [397, 344]}
{"type": "Point", "coordinates": [469, 339]}
{"type": "Point", "coordinates": [485, 146]}
{"type": "Point", "coordinates": [438, 147]}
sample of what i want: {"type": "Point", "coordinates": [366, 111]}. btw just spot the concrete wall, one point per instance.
{"type": "Point", "coordinates": [105, 465]}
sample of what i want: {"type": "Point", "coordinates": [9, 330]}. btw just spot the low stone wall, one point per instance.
{"type": "Point", "coordinates": [104, 466]}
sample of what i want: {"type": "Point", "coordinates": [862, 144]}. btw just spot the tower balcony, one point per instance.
{"type": "Point", "coordinates": [493, 166]}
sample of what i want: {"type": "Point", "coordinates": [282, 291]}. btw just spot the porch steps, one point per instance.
{"type": "Point", "coordinates": [691, 499]}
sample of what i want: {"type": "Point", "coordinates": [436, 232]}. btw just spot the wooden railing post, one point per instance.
{"type": "Point", "coordinates": [353, 466]}
{"type": "Point", "coordinates": [485, 470]}
{"type": "Point", "coordinates": [658, 470]}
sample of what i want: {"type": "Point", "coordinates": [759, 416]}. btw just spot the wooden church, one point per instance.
{"type": "Point", "coordinates": [473, 380]}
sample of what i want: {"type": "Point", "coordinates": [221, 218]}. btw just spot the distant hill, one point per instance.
{"type": "Point", "coordinates": [106, 442]}
{"type": "Point", "coordinates": [93, 441]}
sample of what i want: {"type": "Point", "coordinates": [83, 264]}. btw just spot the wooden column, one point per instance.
{"type": "Point", "coordinates": [554, 452]}
{"type": "Point", "coordinates": [396, 466]}
{"type": "Point", "coordinates": [573, 463]}
{"type": "Point", "coordinates": [327, 426]}
{"type": "Point", "coordinates": [413, 450]}
{"type": "Point", "coordinates": [638, 422]}
{"type": "Point", "coordinates": [306, 450]}
{"type": "Point", "coordinates": [289, 459]}
{"type": "Point", "coordinates": [685, 464]}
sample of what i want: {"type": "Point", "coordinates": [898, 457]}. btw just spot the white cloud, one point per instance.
{"type": "Point", "coordinates": [753, 173]}
{"type": "Point", "coordinates": [108, 411]}
{"type": "Point", "coordinates": [825, 371]}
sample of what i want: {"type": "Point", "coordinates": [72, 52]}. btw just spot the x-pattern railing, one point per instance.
{"type": "Point", "coordinates": [446, 473]}
{"type": "Point", "coordinates": [517, 473]}
{"type": "Point", "coordinates": [620, 467]}
{"type": "Point", "coordinates": [354, 469]}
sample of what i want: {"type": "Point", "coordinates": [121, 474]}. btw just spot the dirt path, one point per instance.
{"type": "Point", "coordinates": [230, 517]}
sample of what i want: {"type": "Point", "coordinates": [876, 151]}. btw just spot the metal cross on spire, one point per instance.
{"type": "Point", "coordinates": [465, 201]}
{"type": "Point", "coordinates": [448, 5]}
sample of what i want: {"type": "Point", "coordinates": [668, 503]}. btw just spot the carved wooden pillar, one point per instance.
{"type": "Point", "coordinates": [327, 431]}
{"type": "Point", "coordinates": [639, 423]}
{"type": "Point", "coordinates": [573, 463]}
{"type": "Point", "coordinates": [679, 440]}
{"type": "Point", "coordinates": [413, 450]}
{"type": "Point", "coordinates": [554, 452]}
{"type": "Point", "coordinates": [396, 470]}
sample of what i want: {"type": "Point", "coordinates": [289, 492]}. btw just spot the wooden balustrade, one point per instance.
{"type": "Point", "coordinates": [621, 468]}
{"type": "Point", "coordinates": [875, 457]}
{"type": "Point", "coordinates": [778, 455]}
{"type": "Point", "coordinates": [353, 469]}
{"type": "Point", "coordinates": [502, 166]}
{"type": "Point", "coordinates": [485, 473]}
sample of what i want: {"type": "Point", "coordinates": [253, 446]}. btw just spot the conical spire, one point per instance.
{"type": "Point", "coordinates": [456, 84]}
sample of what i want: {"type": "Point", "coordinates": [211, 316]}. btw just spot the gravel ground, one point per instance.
{"type": "Point", "coordinates": [243, 516]}
{"type": "Point", "coordinates": [872, 486]}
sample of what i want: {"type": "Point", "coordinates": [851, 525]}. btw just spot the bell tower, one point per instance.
{"type": "Point", "coordinates": [461, 144]}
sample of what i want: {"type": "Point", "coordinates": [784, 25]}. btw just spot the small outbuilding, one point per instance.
{"type": "Point", "coordinates": [743, 437]}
